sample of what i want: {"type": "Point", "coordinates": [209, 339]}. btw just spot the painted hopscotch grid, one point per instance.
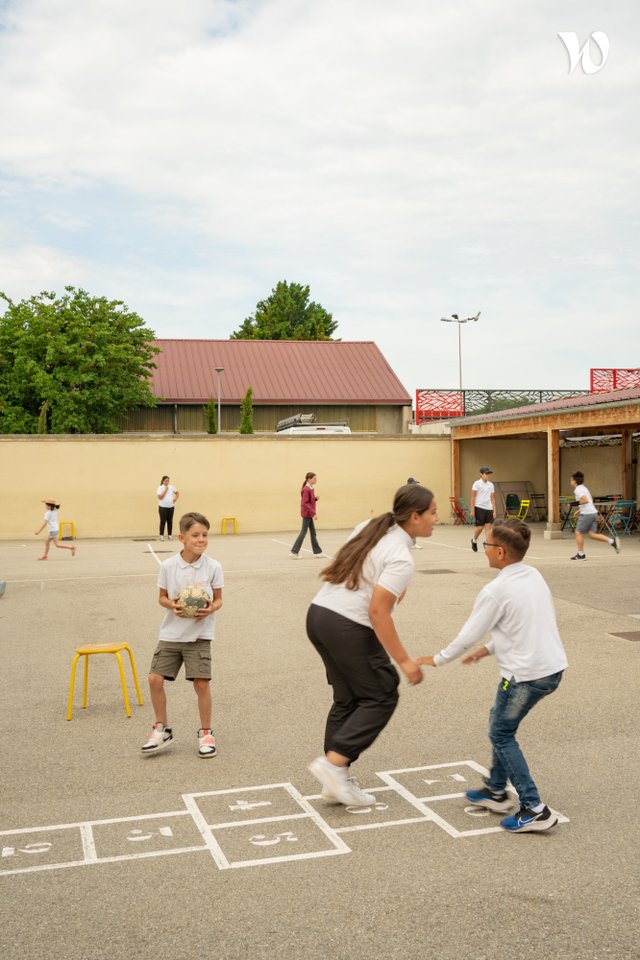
{"type": "Point", "coordinates": [410, 782]}
{"type": "Point", "coordinates": [274, 825]}
{"type": "Point", "coordinates": [251, 826]}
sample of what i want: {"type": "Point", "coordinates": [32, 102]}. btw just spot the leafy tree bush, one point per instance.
{"type": "Point", "coordinates": [72, 364]}
{"type": "Point", "coordinates": [246, 409]}
{"type": "Point", "coordinates": [287, 315]}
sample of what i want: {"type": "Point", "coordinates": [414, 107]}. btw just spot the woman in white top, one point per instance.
{"type": "Point", "coordinates": [351, 626]}
{"type": "Point", "coordinates": [167, 495]}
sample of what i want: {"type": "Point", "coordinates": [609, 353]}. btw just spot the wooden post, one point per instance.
{"type": "Point", "coordinates": [455, 467]}
{"type": "Point", "coordinates": [553, 530]}
{"type": "Point", "coordinates": [626, 467]}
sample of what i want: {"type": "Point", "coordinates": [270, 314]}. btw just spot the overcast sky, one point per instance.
{"type": "Point", "coordinates": [406, 159]}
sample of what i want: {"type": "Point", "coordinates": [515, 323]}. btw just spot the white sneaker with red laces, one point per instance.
{"type": "Point", "coordinates": [206, 743]}
{"type": "Point", "coordinates": [160, 738]}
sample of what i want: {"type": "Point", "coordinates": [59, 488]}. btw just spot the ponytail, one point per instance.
{"type": "Point", "coordinates": [308, 476]}
{"type": "Point", "coordinates": [348, 563]}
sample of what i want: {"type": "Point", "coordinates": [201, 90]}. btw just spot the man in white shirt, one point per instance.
{"type": "Point", "coordinates": [483, 505]}
{"type": "Point", "coordinates": [517, 609]}
{"type": "Point", "coordinates": [587, 518]}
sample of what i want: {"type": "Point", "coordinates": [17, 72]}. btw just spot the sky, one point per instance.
{"type": "Point", "coordinates": [407, 160]}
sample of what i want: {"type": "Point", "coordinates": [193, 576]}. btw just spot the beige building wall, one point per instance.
{"type": "Point", "coordinates": [511, 459]}
{"type": "Point", "coordinates": [107, 485]}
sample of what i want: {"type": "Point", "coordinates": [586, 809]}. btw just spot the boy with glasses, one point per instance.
{"type": "Point", "coordinates": [517, 609]}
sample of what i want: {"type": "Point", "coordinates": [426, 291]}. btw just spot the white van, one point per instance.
{"type": "Point", "coordinates": [314, 429]}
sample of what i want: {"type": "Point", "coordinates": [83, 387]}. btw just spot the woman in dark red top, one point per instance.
{"type": "Point", "coordinates": [307, 512]}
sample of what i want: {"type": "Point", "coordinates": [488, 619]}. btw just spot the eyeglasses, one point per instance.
{"type": "Point", "coordinates": [485, 544]}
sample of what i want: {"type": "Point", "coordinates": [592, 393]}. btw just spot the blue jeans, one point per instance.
{"type": "Point", "coordinates": [513, 703]}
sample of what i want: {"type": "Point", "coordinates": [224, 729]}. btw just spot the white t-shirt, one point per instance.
{"type": "Point", "coordinates": [517, 609]}
{"type": "Point", "coordinates": [389, 564]}
{"type": "Point", "coordinates": [175, 574]}
{"type": "Point", "coordinates": [588, 507]}
{"type": "Point", "coordinates": [53, 524]}
{"type": "Point", "coordinates": [167, 500]}
{"type": "Point", "coordinates": [483, 493]}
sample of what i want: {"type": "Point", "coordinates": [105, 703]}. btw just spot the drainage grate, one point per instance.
{"type": "Point", "coordinates": [634, 635]}
{"type": "Point", "coordinates": [434, 571]}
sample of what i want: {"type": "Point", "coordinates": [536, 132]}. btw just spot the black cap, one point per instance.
{"type": "Point", "coordinates": [486, 470]}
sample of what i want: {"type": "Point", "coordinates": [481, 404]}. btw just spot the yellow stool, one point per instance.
{"type": "Point", "coordinates": [72, 528]}
{"type": "Point", "coordinates": [225, 521]}
{"type": "Point", "coordinates": [86, 651]}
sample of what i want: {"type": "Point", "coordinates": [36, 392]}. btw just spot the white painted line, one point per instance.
{"type": "Point", "coordinates": [294, 856]}
{"type": "Point", "coordinates": [85, 863]}
{"type": "Point", "coordinates": [387, 823]}
{"type": "Point", "coordinates": [155, 555]}
{"type": "Point", "coordinates": [260, 821]}
{"type": "Point", "coordinates": [105, 576]}
{"type": "Point", "coordinates": [211, 843]}
{"type": "Point", "coordinates": [331, 834]}
{"type": "Point", "coordinates": [88, 843]}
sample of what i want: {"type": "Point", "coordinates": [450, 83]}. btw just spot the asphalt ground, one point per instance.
{"type": "Point", "coordinates": [179, 876]}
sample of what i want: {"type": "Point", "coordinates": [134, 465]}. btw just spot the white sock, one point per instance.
{"type": "Point", "coordinates": [340, 770]}
{"type": "Point", "coordinates": [539, 807]}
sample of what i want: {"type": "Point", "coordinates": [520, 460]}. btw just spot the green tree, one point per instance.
{"type": "Point", "coordinates": [211, 413]}
{"type": "Point", "coordinates": [246, 408]}
{"type": "Point", "coordinates": [287, 315]}
{"type": "Point", "coordinates": [72, 364]}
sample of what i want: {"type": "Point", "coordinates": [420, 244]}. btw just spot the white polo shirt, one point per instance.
{"type": "Point", "coordinates": [175, 574]}
{"type": "Point", "coordinates": [517, 609]}
{"type": "Point", "coordinates": [588, 508]}
{"type": "Point", "coordinates": [389, 564]}
{"type": "Point", "coordinates": [483, 493]}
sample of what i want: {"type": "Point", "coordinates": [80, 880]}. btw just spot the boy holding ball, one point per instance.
{"type": "Point", "coordinates": [190, 585]}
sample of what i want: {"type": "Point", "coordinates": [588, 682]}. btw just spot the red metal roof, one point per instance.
{"type": "Point", "coordinates": [562, 403]}
{"type": "Point", "coordinates": [279, 371]}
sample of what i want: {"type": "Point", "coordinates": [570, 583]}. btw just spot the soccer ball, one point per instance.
{"type": "Point", "coordinates": [192, 599]}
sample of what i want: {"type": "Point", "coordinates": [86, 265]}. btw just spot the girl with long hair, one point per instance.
{"type": "Point", "coordinates": [351, 626]}
{"type": "Point", "coordinates": [308, 498]}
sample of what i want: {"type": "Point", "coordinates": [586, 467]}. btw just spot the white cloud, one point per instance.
{"type": "Point", "coordinates": [406, 160]}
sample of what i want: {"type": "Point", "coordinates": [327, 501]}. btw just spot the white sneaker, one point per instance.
{"type": "Point", "coordinates": [161, 737]}
{"type": "Point", "coordinates": [417, 546]}
{"type": "Point", "coordinates": [294, 556]}
{"type": "Point", "coordinates": [338, 786]}
{"type": "Point", "coordinates": [169, 538]}
{"type": "Point", "coordinates": [206, 743]}
{"type": "Point", "coordinates": [161, 538]}
{"type": "Point", "coordinates": [321, 556]}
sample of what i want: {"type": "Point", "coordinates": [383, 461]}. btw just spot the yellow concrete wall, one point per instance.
{"type": "Point", "coordinates": [510, 458]}
{"type": "Point", "coordinates": [107, 485]}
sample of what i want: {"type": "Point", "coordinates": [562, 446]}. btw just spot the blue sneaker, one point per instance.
{"type": "Point", "coordinates": [498, 802]}
{"type": "Point", "coordinates": [526, 821]}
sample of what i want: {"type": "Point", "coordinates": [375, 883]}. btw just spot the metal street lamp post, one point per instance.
{"type": "Point", "coordinates": [219, 370]}
{"type": "Point", "coordinates": [454, 318]}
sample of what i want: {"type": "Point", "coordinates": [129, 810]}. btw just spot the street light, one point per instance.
{"type": "Point", "coordinates": [454, 318]}
{"type": "Point", "coordinates": [219, 370]}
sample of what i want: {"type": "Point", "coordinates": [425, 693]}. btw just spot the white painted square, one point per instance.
{"type": "Point", "coordinates": [42, 848]}
{"type": "Point", "coordinates": [266, 837]}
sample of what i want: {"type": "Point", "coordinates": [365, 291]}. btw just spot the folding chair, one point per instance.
{"type": "Point", "coordinates": [461, 515]}
{"type": "Point", "coordinates": [523, 508]}
{"type": "Point", "coordinates": [622, 516]}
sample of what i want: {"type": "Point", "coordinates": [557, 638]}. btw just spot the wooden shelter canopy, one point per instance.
{"type": "Point", "coordinates": [595, 414]}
